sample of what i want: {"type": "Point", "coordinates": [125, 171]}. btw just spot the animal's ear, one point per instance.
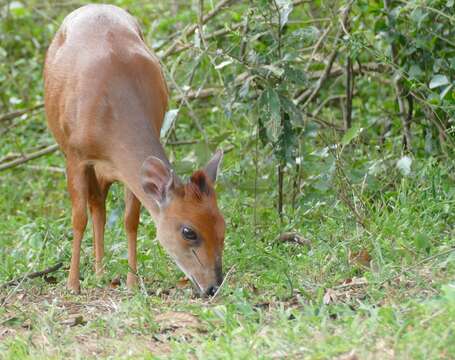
{"type": "Point", "coordinates": [213, 166]}
{"type": "Point", "coordinates": [199, 178]}
{"type": "Point", "coordinates": [157, 180]}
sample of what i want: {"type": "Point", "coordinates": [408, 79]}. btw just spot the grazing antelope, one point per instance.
{"type": "Point", "coordinates": [105, 99]}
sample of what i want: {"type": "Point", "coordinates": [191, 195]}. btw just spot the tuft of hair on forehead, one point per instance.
{"type": "Point", "coordinates": [198, 186]}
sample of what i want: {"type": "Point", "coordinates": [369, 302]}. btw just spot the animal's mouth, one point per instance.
{"type": "Point", "coordinates": [196, 287]}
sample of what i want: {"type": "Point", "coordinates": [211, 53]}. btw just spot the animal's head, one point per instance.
{"type": "Point", "coordinates": [190, 226]}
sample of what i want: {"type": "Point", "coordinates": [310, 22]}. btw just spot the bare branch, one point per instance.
{"type": "Point", "coordinates": [9, 157]}
{"type": "Point", "coordinates": [28, 157]}
{"type": "Point", "coordinates": [330, 62]}
{"type": "Point", "coordinates": [326, 101]}
{"type": "Point", "coordinates": [349, 87]}
{"type": "Point", "coordinates": [15, 114]}
{"type": "Point", "coordinates": [53, 169]}
{"type": "Point", "coordinates": [189, 31]}
{"type": "Point", "coordinates": [178, 45]}
{"type": "Point", "coordinates": [32, 275]}
{"type": "Point", "coordinates": [405, 120]}
{"type": "Point", "coordinates": [197, 94]}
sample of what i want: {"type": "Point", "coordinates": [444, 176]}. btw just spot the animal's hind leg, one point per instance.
{"type": "Point", "coordinates": [77, 187]}
{"type": "Point", "coordinates": [97, 193]}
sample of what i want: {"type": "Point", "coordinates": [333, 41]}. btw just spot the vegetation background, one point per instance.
{"type": "Point", "coordinates": [337, 118]}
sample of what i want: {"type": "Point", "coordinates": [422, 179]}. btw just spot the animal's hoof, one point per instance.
{"type": "Point", "coordinates": [131, 281]}
{"type": "Point", "coordinates": [74, 288]}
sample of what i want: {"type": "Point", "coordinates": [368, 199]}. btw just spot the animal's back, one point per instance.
{"type": "Point", "coordinates": [101, 82]}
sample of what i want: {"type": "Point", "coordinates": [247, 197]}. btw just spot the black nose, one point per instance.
{"type": "Point", "coordinates": [211, 290]}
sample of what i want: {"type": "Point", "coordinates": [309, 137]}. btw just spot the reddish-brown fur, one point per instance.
{"type": "Point", "coordinates": [105, 99]}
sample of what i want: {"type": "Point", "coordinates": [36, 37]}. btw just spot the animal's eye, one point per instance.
{"type": "Point", "coordinates": [188, 233]}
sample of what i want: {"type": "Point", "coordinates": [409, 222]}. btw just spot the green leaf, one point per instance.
{"type": "Point", "coordinates": [352, 133]}
{"type": "Point", "coordinates": [295, 115]}
{"type": "Point", "coordinates": [285, 9]}
{"type": "Point", "coordinates": [169, 120]}
{"type": "Point", "coordinates": [438, 80]}
{"type": "Point", "coordinates": [445, 91]}
{"type": "Point", "coordinates": [275, 70]}
{"type": "Point", "coordinates": [295, 75]}
{"type": "Point", "coordinates": [270, 108]}
{"type": "Point", "coordinates": [17, 9]}
{"type": "Point", "coordinates": [223, 64]}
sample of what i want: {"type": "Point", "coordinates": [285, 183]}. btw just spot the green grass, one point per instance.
{"type": "Point", "coordinates": [272, 305]}
{"type": "Point", "coordinates": [282, 300]}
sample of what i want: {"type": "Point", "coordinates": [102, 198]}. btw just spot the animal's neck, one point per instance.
{"type": "Point", "coordinates": [128, 159]}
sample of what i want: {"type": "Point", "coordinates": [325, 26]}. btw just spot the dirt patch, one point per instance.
{"type": "Point", "coordinates": [99, 322]}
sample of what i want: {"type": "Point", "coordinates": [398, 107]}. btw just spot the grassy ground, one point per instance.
{"type": "Point", "coordinates": [375, 278]}
{"type": "Point", "coordinates": [383, 291]}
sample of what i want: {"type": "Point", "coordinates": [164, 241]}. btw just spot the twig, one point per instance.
{"type": "Point", "coordinates": [220, 6]}
{"type": "Point", "coordinates": [200, 23]}
{"type": "Point", "coordinates": [408, 119]}
{"type": "Point", "coordinates": [281, 164]}
{"type": "Point", "coordinates": [330, 62]}
{"type": "Point", "coordinates": [9, 157]}
{"type": "Point", "coordinates": [221, 286]}
{"type": "Point", "coordinates": [53, 169]}
{"type": "Point", "coordinates": [182, 47]}
{"type": "Point", "coordinates": [423, 261]}
{"type": "Point", "coordinates": [182, 142]}
{"type": "Point", "coordinates": [244, 42]}
{"type": "Point", "coordinates": [324, 123]}
{"type": "Point", "coordinates": [32, 275]}
{"type": "Point", "coordinates": [405, 120]}
{"type": "Point", "coordinates": [210, 36]}
{"type": "Point", "coordinates": [349, 84]}
{"type": "Point", "coordinates": [14, 114]}
{"type": "Point", "coordinates": [325, 102]}
{"type": "Point", "coordinates": [184, 100]}
{"type": "Point", "coordinates": [32, 156]}
{"type": "Point", "coordinates": [317, 46]}
{"type": "Point", "coordinates": [358, 283]}
{"type": "Point", "coordinates": [196, 94]}
{"type": "Point", "coordinates": [349, 88]}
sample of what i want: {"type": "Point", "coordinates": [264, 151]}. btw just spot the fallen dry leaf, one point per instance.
{"type": "Point", "coordinates": [27, 324]}
{"type": "Point", "coordinates": [362, 258]}
{"type": "Point", "coordinates": [330, 296]}
{"type": "Point", "coordinates": [115, 282]}
{"type": "Point", "coordinates": [352, 282]}
{"type": "Point", "coordinates": [294, 237]}
{"type": "Point", "coordinates": [183, 283]}
{"type": "Point", "coordinates": [351, 288]}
